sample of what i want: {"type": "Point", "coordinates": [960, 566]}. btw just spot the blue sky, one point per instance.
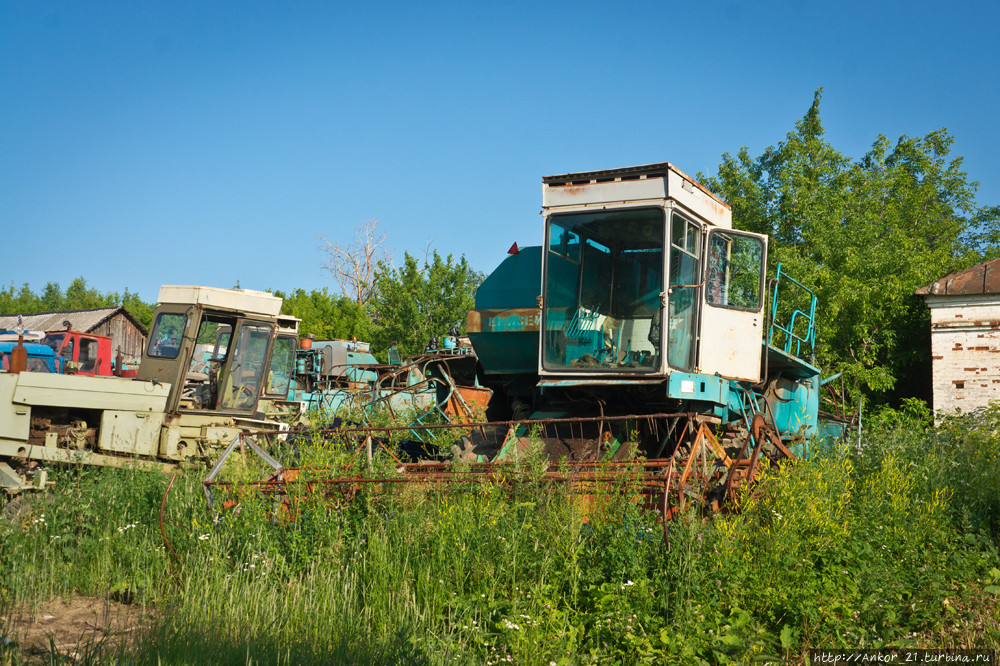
{"type": "Point", "coordinates": [208, 143]}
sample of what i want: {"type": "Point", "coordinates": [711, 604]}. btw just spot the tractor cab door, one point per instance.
{"type": "Point", "coordinates": [732, 323]}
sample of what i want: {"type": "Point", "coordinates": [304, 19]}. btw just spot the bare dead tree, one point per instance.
{"type": "Point", "coordinates": [353, 266]}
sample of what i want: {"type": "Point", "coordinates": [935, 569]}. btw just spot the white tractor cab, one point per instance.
{"type": "Point", "coordinates": [178, 406]}
{"type": "Point", "coordinates": [251, 345]}
{"type": "Point", "coordinates": [644, 278]}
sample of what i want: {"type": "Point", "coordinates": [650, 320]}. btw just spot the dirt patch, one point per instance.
{"type": "Point", "coordinates": [75, 628]}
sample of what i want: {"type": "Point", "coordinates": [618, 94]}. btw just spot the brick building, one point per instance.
{"type": "Point", "coordinates": [965, 337]}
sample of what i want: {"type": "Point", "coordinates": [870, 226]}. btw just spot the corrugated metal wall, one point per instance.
{"type": "Point", "coordinates": [124, 333]}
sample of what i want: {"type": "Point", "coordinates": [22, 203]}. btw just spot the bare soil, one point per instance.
{"type": "Point", "coordinates": [75, 628]}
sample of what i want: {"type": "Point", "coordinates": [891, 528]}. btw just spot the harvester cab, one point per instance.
{"type": "Point", "coordinates": [642, 273]}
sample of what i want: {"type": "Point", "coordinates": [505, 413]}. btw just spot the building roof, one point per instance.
{"type": "Point", "coordinates": [982, 278]}
{"type": "Point", "coordinates": [80, 320]}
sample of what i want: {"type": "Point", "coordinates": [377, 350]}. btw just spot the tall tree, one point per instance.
{"type": "Point", "coordinates": [864, 235]}
{"type": "Point", "coordinates": [354, 265]}
{"type": "Point", "coordinates": [412, 303]}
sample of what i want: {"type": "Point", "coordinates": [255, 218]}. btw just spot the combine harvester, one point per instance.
{"type": "Point", "coordinates": [643, 325]}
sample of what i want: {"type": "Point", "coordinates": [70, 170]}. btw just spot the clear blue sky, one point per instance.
{"type": "Point", "coordinates": [144, 143]}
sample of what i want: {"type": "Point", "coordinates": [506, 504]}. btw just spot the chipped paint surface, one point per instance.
{"type": "Point", "coordinates": [965, 350]}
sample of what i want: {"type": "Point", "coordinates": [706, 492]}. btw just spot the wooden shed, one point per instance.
{"type": "Point", "coordinates": [116, 322]}
{"type": "Point", "coordinates": [965, 337]}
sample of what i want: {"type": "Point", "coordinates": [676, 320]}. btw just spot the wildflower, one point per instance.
{"type": "Point", "coordinates": [203, 537]}
{"type": "Point", "coordinates": [718, 582]}
{"type": "Point", "coordinates": [699, 537]}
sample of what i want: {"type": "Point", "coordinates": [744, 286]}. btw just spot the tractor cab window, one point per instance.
{"type": "Point", "coordinates": [280, 372]}
{"type": "Point", "coordinates": [165, 341]}
{"type": "Point", "coordinates": [245, 367]}
{"type": "Point", "coordinates": [603, 279]}
{"type": "Point", "coordinates": [735, 271]}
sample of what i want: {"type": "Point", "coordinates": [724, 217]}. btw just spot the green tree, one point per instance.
{"type": "Point", "coordinates": [864, 235]}
{"type": "Point", "coordinates": [327, 316]}
{"type": "Point", "coordinates": [78, 296]}
{"type": "Point", "coordinates": [410, 303]}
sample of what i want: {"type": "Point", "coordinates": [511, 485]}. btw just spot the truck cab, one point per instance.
{"type": "Point", "coordinates": [41, 358]}
{"type": "Point", "coordinates": [81, 353]}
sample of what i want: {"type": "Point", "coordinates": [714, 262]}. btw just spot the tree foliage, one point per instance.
{"type": "Point", "coordinates": [325, 315]}
{"type": "Point", "coordinates": [412, 303]}
{"type": "Point", "coordinates": [864, 234]}
{"type": "Point", "coordinates": [78, 296]}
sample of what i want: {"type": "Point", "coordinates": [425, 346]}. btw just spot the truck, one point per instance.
{"type": "Point", "coordinates": [178, 408]}
{"type": "Point", "coordinates": [76, 352]}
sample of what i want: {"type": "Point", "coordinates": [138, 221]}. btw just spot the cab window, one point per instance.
{"type": "Point", "coordinates": [735, 270]}
{"type": "Point", "coordinates": [165, 341]}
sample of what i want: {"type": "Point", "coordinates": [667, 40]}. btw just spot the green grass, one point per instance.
{"type": "Point", "coordinates": [894, 543]}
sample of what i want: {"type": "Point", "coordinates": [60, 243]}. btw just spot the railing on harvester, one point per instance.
{"type": "Point", "coordinates": [790, 337]}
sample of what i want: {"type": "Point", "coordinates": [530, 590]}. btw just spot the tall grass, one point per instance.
{"type": "Point", "coordinates": [891, 543]}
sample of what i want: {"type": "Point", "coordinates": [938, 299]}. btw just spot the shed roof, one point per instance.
{"type": "Point", "coordinates": [80, 320]}
{"type": "Point", "coordinates": [982, 278]}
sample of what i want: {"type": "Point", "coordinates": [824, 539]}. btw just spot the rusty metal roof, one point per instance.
{"type": "Point", "coordinates": [80, 320]}
{"type": "Point", "coordinates": [982, 278]}
{"type": "Point", "coordinates": [624, 173]}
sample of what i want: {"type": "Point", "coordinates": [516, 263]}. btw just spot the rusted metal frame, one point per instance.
{"type": "Point", "coordinates": [237, 441]}
{"type": "Point", "coordinates": [163, 506]}
{"type": "Point", "coordinates": [692, 456]}
{"type": "Point", "coordinates": [647, 483]}
{"type": "Point", "coordinates": [666, 498]}
{"type": "Point", "coordinates": [716, 447]}
{"type": "Point", "coordinates": [732, 470]}
{"type": "Point", "coordinates": [526, 422]}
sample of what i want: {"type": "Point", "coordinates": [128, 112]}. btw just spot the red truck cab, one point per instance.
{"type": "Point", "coordinates": [91, 354]}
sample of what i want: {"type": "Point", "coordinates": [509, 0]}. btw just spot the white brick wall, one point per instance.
{"type": "Point", "coordinates": [965, 347]}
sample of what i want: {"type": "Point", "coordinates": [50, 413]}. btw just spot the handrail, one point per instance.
{"type": "Point", "coordinates": [809, 338]}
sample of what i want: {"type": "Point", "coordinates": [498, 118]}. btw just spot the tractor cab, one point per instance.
{"type": "Point", "coordinates": [237, 325]}
{"type": "Point", "coordinates": [643, 276]}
